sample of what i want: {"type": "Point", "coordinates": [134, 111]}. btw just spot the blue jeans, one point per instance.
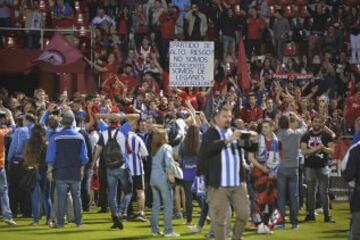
{"type": "Point", "coordinates": [4, 197]}
{"type": "Point", "coordinates": [229, 42]}
{"type": "Point", "coordinates": [288, 182]}
{"type": "Point", "coordinates": [41, 196]}
{"type": "Point", "coordinates": [162, 191]}
{"type": "Point", "coordinates": [114, 177]}
{"type": "Point", "coordinates": [62, 188]}
{"type": "Point", "coordinates": [85, 189]}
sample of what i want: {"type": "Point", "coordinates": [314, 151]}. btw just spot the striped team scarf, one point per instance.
{"type": "Point", "coordinates": [270, 158]}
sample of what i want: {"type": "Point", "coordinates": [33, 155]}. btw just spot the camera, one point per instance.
{"type": "Point", "coordinates": [2, 114]}
{"type": "Point", "coordinates": [244, 140]}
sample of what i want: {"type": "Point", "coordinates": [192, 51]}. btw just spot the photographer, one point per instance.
{"type": "Point", "coordinates": [220, 158]}
{"type": "Point", "coordinates": [197, 24]}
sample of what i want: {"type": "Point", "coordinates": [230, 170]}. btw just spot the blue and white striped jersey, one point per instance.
{"type": "Point", "coordinates": [138, 152]}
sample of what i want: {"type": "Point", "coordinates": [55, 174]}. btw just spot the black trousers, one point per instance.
{"type": "Point", "coordinates": [19, 199]}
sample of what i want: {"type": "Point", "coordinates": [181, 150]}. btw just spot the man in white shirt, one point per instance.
{"type": "Point", "coordinates": [101, 18]}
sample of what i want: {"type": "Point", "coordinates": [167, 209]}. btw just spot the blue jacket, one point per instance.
{"type": "Point", "coordinates": [19, 139]}
{"type": "Point", "coordinates": [67, 153]}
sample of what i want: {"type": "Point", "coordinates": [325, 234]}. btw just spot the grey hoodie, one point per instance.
{"type": "Point", "coordinates": [290, 145]}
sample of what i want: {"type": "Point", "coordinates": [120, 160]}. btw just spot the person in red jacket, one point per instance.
{"type": "Point", "coordinates": [168, 21]}
{"type": "Point", "coordinates": [255, 26]}
{"type": "Point", "coordinates": [252, 113]}
{"type": "Point", "coordinates": [352, 109]}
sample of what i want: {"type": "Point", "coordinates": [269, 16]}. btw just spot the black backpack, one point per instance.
{"type": "Point", "coordinates": [173, 131]}
{"type": "Point", "coordinates": [112, 153]}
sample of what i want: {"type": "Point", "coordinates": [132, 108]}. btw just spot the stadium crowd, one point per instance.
{"type": "Point", "coordinates": [139, 143]}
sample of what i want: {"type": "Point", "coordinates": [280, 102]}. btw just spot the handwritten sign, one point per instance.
{"type": "Point", "coordinates": [191, 64]}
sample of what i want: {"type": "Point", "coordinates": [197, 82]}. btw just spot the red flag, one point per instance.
{"type": "Point", "coordinates": [243, 70]}
{"type": "Point", "coordinates": [58, 52]}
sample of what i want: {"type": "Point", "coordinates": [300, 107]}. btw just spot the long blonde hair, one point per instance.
{"type": "Point", "coordinates": [159, 138]}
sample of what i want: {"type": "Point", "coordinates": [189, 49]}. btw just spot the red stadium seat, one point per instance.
{"type": "Point", "coordinates": [290, 49]}
{"type": "Point", "coordinates": [350, 3]}
{"type": "Point", "coordinates": [303, 12]}
{"type": "Point", "coordinates": [301, 2]}
{"type": "Point", "coordinates": [283, 2]}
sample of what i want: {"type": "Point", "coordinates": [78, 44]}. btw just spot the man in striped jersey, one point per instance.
{"type": "Point", "coordinates": [138, 152]}
{"type": "Point", "coordinates": [220, 160]}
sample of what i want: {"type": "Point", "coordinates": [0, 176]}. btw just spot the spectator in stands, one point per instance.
{"type": "Point", "coordinates": [63, 14]}
{"type": "Point", "coordinates": [281, 28]}
{"type": "Point", "coordinates": [254, 27]}
{"type": "Point", "coordinates": [16, 161]}
{"type": "Point", "coordinates": [317, 145]}
{"type": "Point", "coordinates": [168, 21]}
{"type": "Point", "coordinates": [35, 157]}
{"type": "Point", "coordinates": [5, 14]}
{"type": "Point", "coordinates": [253, 112]}
{"type": "Point", "coordinates": [352, 109]}
{"type": "Point", "coordinates": [355, 41]}
{"type": "Point", "coordinates": [66, 158]}
{"type": "Point", "coordinates": [102, 18]}
{"type": "Point", "coordinates": [183, 5]}
{"type": "Point", "coordinates": [197, 24]}
{"type": "Point", "coordinates": [320, 17]}
{"type": "Point", "coordinates": [35, 21]}
{"type": "Point", "coordinates": [5, 129]}
{"type": "Point", "coordinates": [229, 28]}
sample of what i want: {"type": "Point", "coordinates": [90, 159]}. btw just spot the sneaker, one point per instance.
{"type": "Point", "coordinates": [295, 226]}
{"type": "Point", "coordinates": [141, 218]}
{"type": "Point", "coordinates": [195, 229]}
{"type": "Point", "coordinates": [80, 225]}
{"type": "Point", "coordinates": [51, 224]}
{"type": "Point", "coordinates": [156, 234]}
{"type": "Point", "coordinates": [209, 235]}
{"type": "Point", "coordinates": [34, 224]}
{"type": "Point", "coordinates": [329, 219]}
{"type": "Point", "coordinates": [172, 234]}
{"type": "Point", "coordinates": [280, 226]}
{"type": "Point", "coordinates": [103, 210]}
{"type": "Point", "coordinates": [263, 229]}
{"type": "Point", "coordinates": [319, 211]}
{"type": "Point", "coordinates": [59, 226]}
{"type": "Point", "coordinates": [10, 222]}
{"type": "Point", "coordinates": [309, 218]}
{"type": "Point", "coordinates": [178, 215]}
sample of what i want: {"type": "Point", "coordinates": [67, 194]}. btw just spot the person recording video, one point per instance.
{"type": "Point", "coordinates": [220, 157]}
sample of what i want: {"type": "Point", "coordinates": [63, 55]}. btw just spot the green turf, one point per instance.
{"type": "Point", "coordinates": [97, 228]}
